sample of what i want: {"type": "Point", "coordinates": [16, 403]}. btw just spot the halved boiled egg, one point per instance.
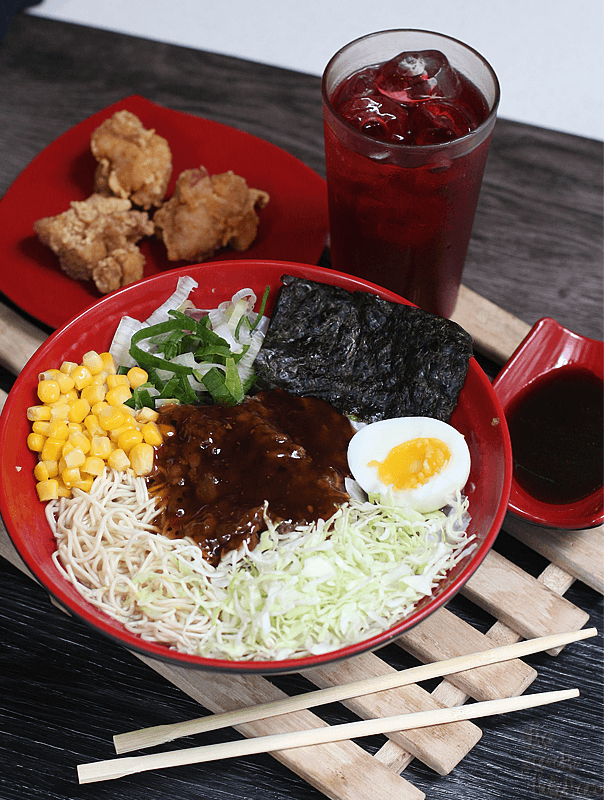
{"type": "Point", "coordinates": [415, 461]}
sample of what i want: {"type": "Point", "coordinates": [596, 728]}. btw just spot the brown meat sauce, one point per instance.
{"type": "Point", "coordinates": [218, 465]}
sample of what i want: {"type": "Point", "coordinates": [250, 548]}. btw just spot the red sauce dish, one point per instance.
{"type": "Point", "coordinates": [551, 393]}
{"type": "Point", "coordinates": [478, 416]}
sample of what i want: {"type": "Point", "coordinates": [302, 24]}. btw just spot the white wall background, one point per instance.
{"type": "Point", "coordinates": [548, 54]}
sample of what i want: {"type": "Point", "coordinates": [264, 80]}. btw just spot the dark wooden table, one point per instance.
{"type": "Point", "coordinates": [536, 251]}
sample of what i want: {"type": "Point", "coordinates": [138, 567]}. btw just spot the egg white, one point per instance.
{"type": "Point", "coordinates": [376, 440]}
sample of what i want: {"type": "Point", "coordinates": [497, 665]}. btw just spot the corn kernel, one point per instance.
{"type": "Point", "coordinates": [100, 378]}
{"type": "Point", "coordinates": [36, 442]}
{"type": "Point", "coordinates": [79, 410]}
{"type": "Point", "coordinates": [52, 449]}
{"type": "Point", "coordinates": [85, 483]}
{"type": "Point", "coordinates": [82, 377]}
{"type": "Point", "coordinates": [115, 435]}
{"type": "Point", "coordinates": [35, 413]}
{"type": "Point", "coordinates": [128, 424]}
{"type": "Point", "coordinates": [141, 459]}
{"type": "Point", "coordinates": [151, 434]}
{"type": "Point", "coordinates": [74, 427]}
{"type": "Point", "coordinates": [67, 399]}
{"type": "Point", "coordinates": [96, 408]}
{"type": "Point", "coordinates": [91, 424]}
{"type": "Point", "coordinates": [41, 471]}
{"type": "Point", "coordinates": [118, 460]}
{"type": "Point", "coordinates": [49, 375]}
{"type": "Point", "coordinates": [137, 376]}
{"type": "Point", "coordinates": [117, 380]}
{"type": "Point", "coordinates": [66, 382]}
{"type": "Point", "coordinates": [59, 412]}
{"type": "Point", "coordinates": [100, 446]}
{"type": "Point", "coordinates": [41, 426]}
{"type": "Point", "coordinates": [118, 395]}
{"type": "Point", "coordinates": [67, 448]}
{"type": "Point", "coordinates": [49, 391]}
{"type": "Point", "coordinates": [108, 363]}
{"type": "Point", "coordinates": [75, 458]}
{"type": "Point", "coordinates": [146, 415]}
{"type": "Point", "coordinates": [78, 440]}
{"type": "Point", "coordinates": [52, 467]}
{"type": "Point", "coordinates": [68, 367]}
{"type": "Point", "coordinates": [58, 430]}
{"type": "Point", "coordinates": [47, 489]}
{"type": "Point", "coordinates": [63, 490]}
{"type": "Point", "coordinates": [70, 475]}
{"type": "Point", "coordinates": [93, 362]}
{"type": "Point", "coordinates": [111, 418]}
{"type": "Point", "coordinates": [128, 439]}
{"type": "Point", "coordinates": [94, 393]}
{"type": "Point", "coordinates": [93, 466]}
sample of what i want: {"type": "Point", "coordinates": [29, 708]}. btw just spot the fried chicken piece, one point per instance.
{"type": "Point", "coordinates": [207, 213]}
{"type": "Point", "coordinates": [122, 266]}
{"type": "Point", "coordinates": [96, 239]}
{"type": "Point", "coordinates": [134, 162]}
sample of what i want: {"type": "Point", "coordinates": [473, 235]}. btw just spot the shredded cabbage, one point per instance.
{"type": "Point", "coordinates": [311, 590]}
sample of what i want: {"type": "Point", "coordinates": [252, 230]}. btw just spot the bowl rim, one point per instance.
{"type": "Point", "coordinates": [161, 652]}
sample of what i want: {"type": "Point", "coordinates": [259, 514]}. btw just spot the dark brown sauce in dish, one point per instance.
{"type": "Point", "coordinates": [556, 431]}
{"type": "Point", "coordinates": [219, 464]}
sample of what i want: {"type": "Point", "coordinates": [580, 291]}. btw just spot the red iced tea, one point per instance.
{"type": "Point", "coordinates": [406, 145]}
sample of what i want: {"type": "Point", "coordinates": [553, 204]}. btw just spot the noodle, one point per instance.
{"type": "Point", "coordinates": [107, 541]}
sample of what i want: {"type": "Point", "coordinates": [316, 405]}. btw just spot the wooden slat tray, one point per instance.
{"type": "Point", "coordinates": [523, 606]}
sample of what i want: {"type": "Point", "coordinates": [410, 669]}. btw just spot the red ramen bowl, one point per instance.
{"type": "Point", "coordinates": [478, 416]}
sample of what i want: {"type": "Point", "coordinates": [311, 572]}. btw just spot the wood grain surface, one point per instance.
{"type": "Point", "coordinates": [536, 251]}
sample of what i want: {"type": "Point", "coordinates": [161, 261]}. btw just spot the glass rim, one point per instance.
{"type": "Point", "coordinates": [413, 147]}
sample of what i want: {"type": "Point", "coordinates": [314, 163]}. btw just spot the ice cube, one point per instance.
{"type": "Point", "coordinates": [437, 121]}
{"type": "Point", "coordinates": [378, 117]}
{"type": "Point", "coordinates": [362, 83]}
{"type": "Point", "coordinates": [415, 76]}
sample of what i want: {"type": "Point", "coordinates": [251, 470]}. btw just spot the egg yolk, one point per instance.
{"type": "Point", "coordinates": [412, 463]}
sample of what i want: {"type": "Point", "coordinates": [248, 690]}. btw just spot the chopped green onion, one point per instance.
{"type": "Point", "coordinates": [232, 381]}
{"type": "Point", "coordinates": [214, 382]}
{"type": "Point", "coordinates": [141, 397]}
{"type": "Point", "coordinates": [145, 359]}
{"type": "Point", "coordinates": [187, 359]}
{"type": "Point", "coordinates": [262, 308]}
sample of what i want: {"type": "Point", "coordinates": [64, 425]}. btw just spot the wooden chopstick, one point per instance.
{"type": "Point", "coordinates": [160, 734]}
{"type": "Point", "coordinates": [118, 767]}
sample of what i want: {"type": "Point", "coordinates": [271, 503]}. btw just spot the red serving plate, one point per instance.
{"type": "Point", "coordinates": [293, 226]}
{"type": "Point", "coordinates": [478, 416]}
{"type": "Point", "coordinates": [549, 346]}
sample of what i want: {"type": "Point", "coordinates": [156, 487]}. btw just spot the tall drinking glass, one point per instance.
{"type": "Point", "coordinates": [407, 133]}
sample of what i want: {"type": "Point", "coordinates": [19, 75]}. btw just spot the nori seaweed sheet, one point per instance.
{"type": "Point", "coordinates": [368, 357]}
